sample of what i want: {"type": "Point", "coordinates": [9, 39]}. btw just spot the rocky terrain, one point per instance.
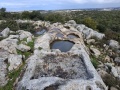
{"type": "Point", "coordinates": [28, 62]}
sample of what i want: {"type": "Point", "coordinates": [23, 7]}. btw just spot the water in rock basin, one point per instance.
{"type": "Point", "coordinates": [63, 46]}
{"type": "Point", "coordinates": [59, 35]}
{"type": "Point", "coordinates": [41, 32]}
{"type": "Point", "coordinates": [72, 36]}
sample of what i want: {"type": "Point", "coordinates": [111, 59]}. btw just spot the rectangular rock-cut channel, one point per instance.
{"type": "Point", "coordinates": [66, 67]}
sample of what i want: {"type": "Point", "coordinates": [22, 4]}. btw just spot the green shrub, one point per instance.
{"type": "Point", "coordinates": [110, 81]}
{"type": "Point", "coordinates": [20, 41]}
{"type": "Point", "coordinates": [94, 62]}
{"type": "Point", "coordinates": [31, 45]}
{"type": "Point", "coordinates": [39, 48]}
{"type": "Point", "coordinates": [112, 35]}
{"type": "Point", "coordinates": [1, 38]}
{"type": "Point", "coordinates": [10, 24]}
{"type": "Point", "coordinates": [27, 27]}
{"type": "Point", "coordinates": [101, 28]}
{"type": "Point", "coordinates": [27, 54]}
{"type": "Point", "coordinates": [12, 77]}
{"type": "Point", "coordinates": [90, 22]}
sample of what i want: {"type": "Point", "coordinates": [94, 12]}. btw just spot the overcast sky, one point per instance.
{"type": "Point", "coordinates": [18, 5]}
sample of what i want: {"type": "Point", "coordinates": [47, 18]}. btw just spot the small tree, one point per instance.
{"type": "Point", "coordinates": [25, 15]}
{"type": "Point", "coordinates": [101, 28]}
{"type": "Point", "coordinates": [3, 10]}
{"type": "Point", "coordinates": [89, 22]}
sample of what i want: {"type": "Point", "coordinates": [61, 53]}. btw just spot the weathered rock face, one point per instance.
{"type": "Point", "coordinates": [107, 58]}
{"type": "Point", "coordinates": [72, 23]}
{"type": "Point", "coordinates": [88, 32]}
{"type": "Point", "coordinates": [3, 67]}
{"type": "Point", "coordinates": [42, 24]}
{"type": "Point", "coordinates": [9, 45]}
{"type": "Point", "coordinates": [90, 41]}
{"type": "Point", "coordinates": [3, 72]}
{"type": "Point", "coordinates": [114, 44]}
{"type": "Point", "coordinates": [113, 88]}
{"type": "Point", "coordinates": [23, 47]}
{"type": "Point", "coordinates": [95, 51]}
{"type": "Point", "coordinates": [15, 61]}
{"type": "Point", "coordinates": [5, 32]}
{"type": "Point", "coordinates": [117, 60]}
{"type": "Point", "coordinates": [115, 71]}
{"type": "Point", "coordinates": [52, 69]}
{"type": "Point", "coordinates": [24, 34]}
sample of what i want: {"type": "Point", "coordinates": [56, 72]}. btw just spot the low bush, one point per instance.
{"type": "Point", "coordinates": [26, 54]}
{"type": "Point", "coordinates": [12, 77]}
{"type": "Point", "coordinates": [31, 45]}
{"type": "Point", "coordinates": [110, 81]}
{"type": "Point", "coordinates": [27, 27]}
{"type": "Point", "coordinates": [112, 35]}
{"type": "Point", "coordinates": [94, 61]}
{"type": "Point", "coordinates": [10, 24]}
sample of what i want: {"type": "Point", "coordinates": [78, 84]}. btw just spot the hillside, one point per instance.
{"type": "Point", "coordinates": [107, 22]}
{"type": "Point", "coordinates": [58, 57]}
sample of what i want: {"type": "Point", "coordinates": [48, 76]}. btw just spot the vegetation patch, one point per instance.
{"type": "Point", "coordinates": [40, 48]}
{"type": "Point", "coordinates": [28, 53]}
{"type": "Point", "coordinates": [1, 38]}
{"type": "Point", "coordinates": [31, 45]}
{"type": "Point", "coordinates": [110, 81]}
{"type": "Point", "coordinates": [12, 77]}
{"type": "Point", "coordinates": [94, 61]}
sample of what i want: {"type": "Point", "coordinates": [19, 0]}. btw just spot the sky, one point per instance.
{"type": "Point", "coordinates": [21, 5]}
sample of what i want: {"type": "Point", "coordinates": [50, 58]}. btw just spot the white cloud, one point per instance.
{"type": "Point", "coordinates": [106, 1]}
{"type": "Point", "coordinates": [94, 1]}
{"type": "Point", "coordinates": [44, 2]}
{"type": "Point", "coordinates": [41, 4]}
{"type": "Point", "coordinates": [11, 4]}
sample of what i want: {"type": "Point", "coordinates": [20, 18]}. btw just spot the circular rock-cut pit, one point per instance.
{"type": "Point", "coordinates": [63, 66]}
{"type": "Point", "coordinates": [62, 45]}
{"type": "Point", "coordinates": [59, 35]}
{"type": "Point", "coordinates": [72, 36]}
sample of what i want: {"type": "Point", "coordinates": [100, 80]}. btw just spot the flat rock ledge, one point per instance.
{"type": "Point", "coordinates": [49, 69]}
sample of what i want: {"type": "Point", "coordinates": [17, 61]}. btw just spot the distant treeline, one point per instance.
{"type": "Point", "coordinates": [107, 22]}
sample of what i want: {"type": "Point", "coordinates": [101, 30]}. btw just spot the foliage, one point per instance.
{"type": "Point", "coordinates": [31, 44]}
{"type": "Point", "coordinates": [90, 22]}
{"type": "Point", "coordinates": [27, 54]}
{"type": "Point", "coordinates": [107, 22]}
{"type": "Point", "coordinates": [112, 35]}
{"type": "Point", "coordinates": [13, 25]}
{"type": "Point", "coordinates": [101, 28]}
{"type": "Point", "coordinates": [110, 81]}
{"type": "Point", "coordinates": [94, 61]}
{"type": "Point", "coordinates": [3, 10]}
{"type": "Point", "coordinates": [54, 17]}
{"type": "Point", "coordinates": [12, 77]}
{"type": "Point", "coordinates": [34, 15]}
{"type": "Point", "coordinates": [25, 15]}
{"type": "Point", "coordinates": [10, 24]}
{"type": "Point", "coordinates": [1, 38]}
{"type": "Point", "coordinates": [27, 27]}
{"type": "Point", "coordinates": [40, 48]}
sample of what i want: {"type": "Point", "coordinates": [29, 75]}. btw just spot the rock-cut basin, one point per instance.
{"type": "Point", "coordinates": [41, 32]}
{"type": "Point", "coordinates": [63, 46]}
